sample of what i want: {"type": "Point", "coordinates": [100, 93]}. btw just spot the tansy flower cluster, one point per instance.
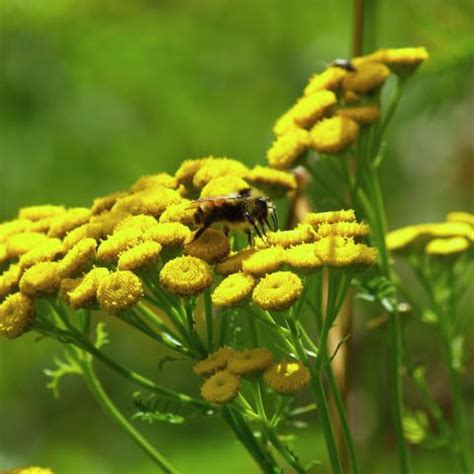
{"type": "Point", "coordinates": [99, 257]}
{"type": "Point", "coordinates": [226, 368]}
{"type": "Point", "coordinates": [336, 104]}
{"type": "Point", "coordinates": [451, 238]}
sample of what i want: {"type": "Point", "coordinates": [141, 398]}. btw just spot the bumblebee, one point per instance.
{"type": "Point", "coordinates": [249, 210]}
{"type": "Point", "coordinates": [344, 64]}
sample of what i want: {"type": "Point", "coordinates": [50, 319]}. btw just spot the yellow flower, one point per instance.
{"type": "Point", "coordinates": [365, 115]}
{"type": "Point", "coordinates": [4, 257]}
{"type": "Point", "coordinates": [186, 276]}
{"type": "Point", "coordinates": [152, 202]}
{"type": "Point", "coordinates": [66, 286]}
{"type": "Point", "coordinates": [41, 279]}
{"type": "Point", "coordinates": [212, 246]}
{"type": "Point", "coordinates": [303, 257]}
{"type": "Point", "coordinates": [71, 219]}
{"type": "Point", "coordinates": [222, 387]}
{"type": "Point", "coordinates": [141, 222]}
{"type": "Point", "coordinates": [233, 289]}
{"type": "Point", "coordinates": [302, 233]}
{"type": "Point", "coordinates": [36, 213]}
{"type": "Point", "coordinates": [330, 217]}
{"type": "Point", "coordinates": [277, 291]}
{"type": "Point", "coordinates": [337, 251]}
{"type": "Point", "coordinates": [264, 261]}
{"type": "Point", "coordinates": [450, 246]}
{"type": "Point", "coordinates": [9, 228]}
{"type": "Point", "coordinates": [110, 249]}
{"type": "Point", "coordinates": [19, 244]}
{"type": "Point", "coordinates": [79, 259]}
{"type": "Point", "coordinates": [287, 148]}
{"type": "Point", "coordinates": [42, 226]}
{"type": "Point", "coordinates": [105, 203]}
{"type": "Point", "coordinates": [403, 61]}
{"type": "Point", "coordinates": [233, 263]}
{"type": "Point", "coordinates": [17, 313]}
{"type": "Point", "coordinates": [333, 135]}
{"type": "Point", "coordinates": [223, 185]}
{"type": "Point", "coordinates": [217, 167]}
{"type": "Point", "coordinates": [285, 124]}
{"type": "Point", "coordinates": [367, 78]}
{"type": "Point", "coordinates": [85, 231]}
{"type": "Point", "coordinates": [287, 377]}
{"type": "Point", "coordinates": [274, 182]}
{"type": "Point", "coordinates": [84, 294]}
{"type": "Point", "coordinates": [445, 229]}
{"type": "Point", "coordinates": [159, 180]}
{"type": "Point", "coordinates": [183, 212]}
{"type": "Point", "coordinates": [251, 361]}
{"type": "Point", "coordinates": [214, 362]}
{"type": "Point", "coordinates": [311, 108]}
{"type": "Point", "coordinates": [463, 217]}
{"type": "Point", "coordinates": [346, 229]}
{"type": "Point", "coordinates": [141, 256]}
{"type": "Point", "coordinates": [169, 234]}
{"type": "Point", "coordinates": [118, 291]}
{"type": "Point", "coordinates": [104, 224]}
{"type": "Point", "coordinates": [9, 279]}
{"type": "Point", "coordinates": [350, 97]}
{"type": "Point", "coordinates": [330, 79]}
{"type": "Point", "coordinates": [365, 255]}
{"type": "Point", "coordinates": [188, 169]}
{"type": "Point", "coordinates": [29, 470]}
{"type": "Point", "coordinates": [402, 238]}
{"type": "Point", "coordinates": [44, 252]}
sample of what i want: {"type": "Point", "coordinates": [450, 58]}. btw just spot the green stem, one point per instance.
{"type": "Point", "coordinates": [341, 412]}
{"type": "Point", "coordinates": [459, 419]}
{"type": "Point", "coordinates": [209, 320]}
{"type": "Point", "coordinates": [269, 432]}
{"type": "Point", "coordinates": [139, 379]}
{"type": "Point", "coordinates": [320, 182]}
{"type": "Point", "coordinates": [194, 336]}
{"type": "Point", "coordinates": [318, 392]}
{"type": "Point", "coordinates": [109, 407]}
{"type": "Point", "coordinates": [240, 428]}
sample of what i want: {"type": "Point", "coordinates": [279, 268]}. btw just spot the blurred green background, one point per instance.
{"type": "Point", "coordinates": [95, 93]}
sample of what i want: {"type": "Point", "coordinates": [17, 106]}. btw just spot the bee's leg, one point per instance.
{"type": "Point", "coordinates": [268, 224]}
{"type": "Point", "coordinates": [275, 221]}
{"type": "Point", "coordinates": [201, 230]}
{"type": "Point", "coordinates": [252, 221]}
{"type": "Point", "coordinates": [226, 231]}
{"type": "Point", "coordinates": [263, 226]}
{"type": "Point", "coordinates": [249, 237]}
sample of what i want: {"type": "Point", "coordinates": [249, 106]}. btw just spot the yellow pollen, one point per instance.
{"type": "Point", "coordinates": [333, 135]}
{"type": "Point", "coordinates": [186, 276]}
{"type": "Point", "coordinates": [277, 291]}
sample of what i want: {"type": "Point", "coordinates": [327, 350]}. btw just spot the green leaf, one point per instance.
{"type": "Point", "coordinates": [102, 337]}
{"type": "Point", "coordinates": [64, 367]}
{"type": "Point", "coordinates": [154, 409]}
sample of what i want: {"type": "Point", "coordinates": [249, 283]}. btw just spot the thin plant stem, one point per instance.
{"type": "Point", "coordinates": [269, 432]}
{"type": "Point", "coordinates": [318, 392]}
{"type": "Point", "coordinates": [240, 428]}
{"type": "Point", "coordinates": [209, 320]}
{"type": "Point", "coordinates": [111, 409]}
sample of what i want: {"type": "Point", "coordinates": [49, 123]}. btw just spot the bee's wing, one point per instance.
{"type": "Point", "coordinates": [234, 197]}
